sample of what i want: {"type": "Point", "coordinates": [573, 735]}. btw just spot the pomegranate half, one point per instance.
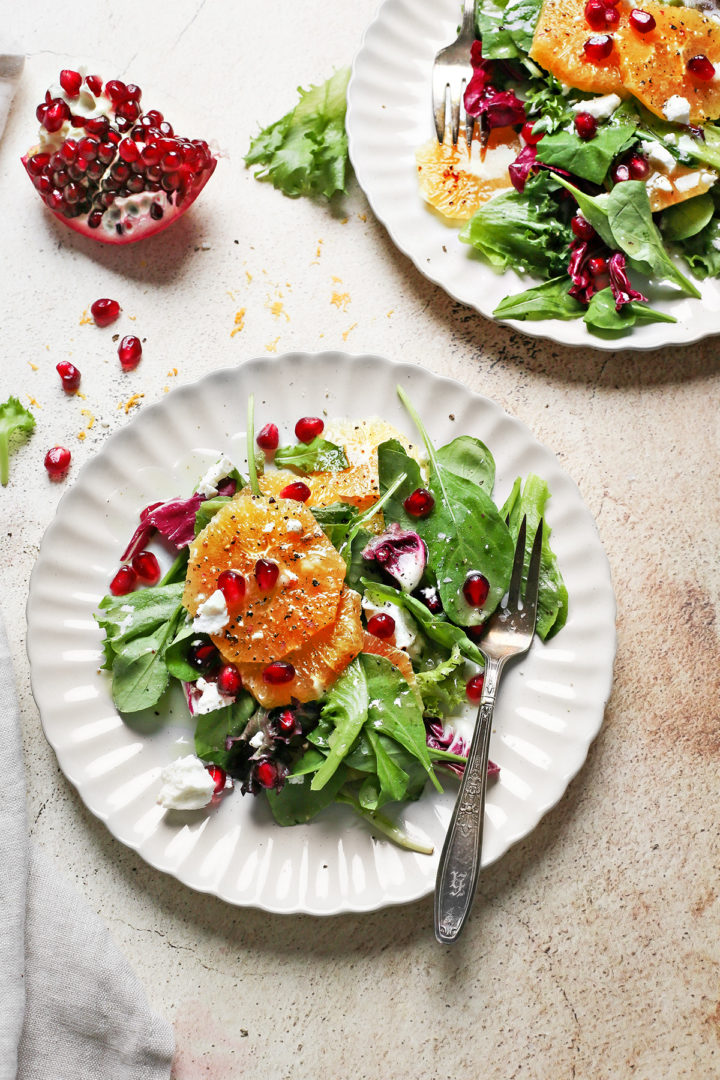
{"type": "Point", "coordinates": [106, 168]}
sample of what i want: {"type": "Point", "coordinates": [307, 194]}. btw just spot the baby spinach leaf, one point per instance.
{"type": "Point", "coordinates": [138, 613]}
{"type": "Point", "coordinates": [591, 158]}
{"type": "Point", "coordinates": [469, 457]}
{"type": "Point", "coordinates": [297, 803]}
{"type": "Point", "coordinates": [316, 456]}
{"type": "Point", "coordinates": [140, 676]}
{"type": "Point", "coordinates": [506, 29]}
{"type": "Point", "coordinates": [436, 627]}
{"type": "Point", "coordinates": [175, 660]}
{"type": "Point", "coordinates": [593, 209]}
{"type": "Point", "coordinates": [701, 251]}
{"type": "Point", "coordinates": [346, 708]}
{"type": "Point", "coordinates": [379, 823]}
{"type": "Point", "coordinates": [687, 218]}
{"type": "Point", "coordinates": [602, 316]}
{"type": "Point", "coordinates": [511, 230]}
{"type": "Point", "coordinates": [393, 462]}
{"type": "Point", "coordinates": [551, 300]}
{"type": "Point", "coordinates": [215, 727]}
{"type": "Point", "coordinates": [390, 781]}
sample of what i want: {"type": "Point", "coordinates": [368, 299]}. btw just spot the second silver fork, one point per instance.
{"type": "Point", "coordinates": [452, 71]}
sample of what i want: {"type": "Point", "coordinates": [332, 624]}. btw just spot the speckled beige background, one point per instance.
{"type": "Point", "coordinates": [594, 944]}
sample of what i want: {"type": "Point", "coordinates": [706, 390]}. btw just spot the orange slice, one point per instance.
{"type": "Point", "coordinates": [457, 183]}
{"type": "Point", "coordinates": [560, 34]}
{"type": "Point", "coordinates": [663, 197]}
{"type": "Point", "coordinates": [317, 664]}
{"type": "Point", "coordinates": [267, 625]}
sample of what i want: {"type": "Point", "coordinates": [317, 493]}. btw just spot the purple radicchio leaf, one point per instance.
{"type": "Point", "coordinates": [500, 108]}
{"type": "Point", "coordinates": [622, 290]}
{"type": "Point", "coordinates": [175, 520]}
{"type": "Point", "coordinates": [522, 166]}
{"type": "Point", "coordinates": [446, 738]}
{"type": "Point", "coordinates": [402, 555]}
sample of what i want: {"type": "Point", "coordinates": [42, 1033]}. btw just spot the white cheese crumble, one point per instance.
{"type": "Point", "coordinates": [658, 182]}
{"type": "Point", "coordinates": [212, 615]}
{"type": "Point", "coordinates": [657, 155]}
{"type": "Point", "coordinates": [599, 107]}
{"type": "Point", "coordinates": [216, 473]}
{"type": "Point", "coordinates": [687, 182]}
{"type": "Point", "coordinates": [677, 110]}
{"type": "Point", "coordinates": [257, 740]}
{"type": "Point", "coordinates": [186, 785]}
{"type": "Point", "coordinates": [406, 637]}
{"type": "Point", "coordinates": [293, 525]}
{"type": "Point", "coordinates": [210, 697]}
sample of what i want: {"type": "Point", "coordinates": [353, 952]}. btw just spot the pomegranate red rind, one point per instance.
{"type": "Point", "coordinates": [108, 170]}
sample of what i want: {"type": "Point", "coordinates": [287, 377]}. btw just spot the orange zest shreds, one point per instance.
{"type": "Point", "coordinates": [90, 418]}
{"type": "Point", "coordinates": [318, 663]}
{"type": "Point", "coordinates": [340, 300]}
{"type": "Point", "coordinates": [132, 318]}
{"type": "Point", "coordinates": [239, 322]}
{"type": "Point", "coordinates": [86, 319]}
{"type": "Point", "coordinates": [346, 333]}
{"type": "Point", "coordinates": [230, 294]}
{"type": "Point", "coordinates": [166, 389]}
{"type": "Point", "coordinates": [390, 312]}
{"type": "Point", "coordinates": [32, 401]}
{"type": "Point", "coordinates": [344, 221]}
{"type": "Point", "coordinates": [248, 275]}
{"type": "Point", "coordinates": [276, 308]}
{"type": "Point", "coordinates": [33, 366]}
{"type": "Point", "coordinates": [79, 393]}
{"type": "Point", "coordinates": [81, 435]}
{"type": "Point", "coordinates": [272, 345]}
{"type": "Point", "coordinates": [336, 280]}
{"type": "Point", "coordinates": [131, 402]}
{"type": "Point", "coordinates": [172, 373]}
{"type": "Point", "coordinates": [363, 217]}
{"type": "Point", "coordinates": [267, 625]}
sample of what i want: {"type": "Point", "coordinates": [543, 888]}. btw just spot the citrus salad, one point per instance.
{"type": "Point", "coordinates": [322, 614]}
{"type": "Point", "coordinates": [597, 159]}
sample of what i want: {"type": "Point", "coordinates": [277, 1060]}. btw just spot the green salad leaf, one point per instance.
{"type": "Point", "coordinates": [513, 231]}
{"type": "Point", "coordinates": [469, 457]}
{"type": "Point", "coordinates": [213, 728]}
{"type": "Point", "coordinates": [316, 456]}
{"type": "Point", "coordinates": [602, 316]}
{"type": "Point", "coordinates": [589, 158]}
{"type": "Point", "coordinates": [702, 251]}
{"type": "Point", "coordinates": [14, 418]}
{"type": "Point", "coordinates": [551, 300]}
{"type": "Point", "coordinates": [688, 218]}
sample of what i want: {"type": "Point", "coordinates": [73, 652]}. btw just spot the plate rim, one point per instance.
{"type": "Point", "coordinates": [95, 464]}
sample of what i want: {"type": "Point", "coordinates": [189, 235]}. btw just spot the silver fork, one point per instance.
{"type": "Point", "coordinates": [510, 631]}
{"type": "Point", "coordinates": [452, 71]}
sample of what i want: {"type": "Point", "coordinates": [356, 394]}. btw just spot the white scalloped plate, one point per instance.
{"type": "Point", "coordinates": [550, 706]}
{"type": "Point", "coordinates": [389, 117]}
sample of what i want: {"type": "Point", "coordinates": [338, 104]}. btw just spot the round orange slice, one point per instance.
{"type": "Point", "coordinates": [317, 664]}
{"type": "Point", "coordinates": [457, 183]}
{"type": "Point", "coordinates": [267, 625]}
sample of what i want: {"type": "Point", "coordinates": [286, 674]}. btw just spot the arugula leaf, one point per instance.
{"type": "Point", "coordinates": [601, 314]}
{"type": "Point", "coordinates": [594, 210]}
{"type": "Point", "coordinates": [687, 218]}
{"type": "Point", "coordinates": [382, 824]}
{"type": "Point", "coordinates": [511, 230]}
{"type": "Point", "coordinates": [305, 152]}
{"type": "Point", "coordinates": [591, 158]}
{"type": "Point", "coordinates": [215, 727]}
{"type": "Point", "coordinates": [316, 456]}
{"type": "Point", "coordinates": [175, 653]}
{"type": "Point", "coordinates": [14, 417]}
{"type": "Point", "coordinates": [443, 686]}
{"type": "Point", "coordinates": [389, 782]}
{"type": "Point", "coordinates": [551, 300]}
{"type": "Point", "coordinates": [506, 29]}
{"type": "Point", "coordinates": [346, 707]}
{"type": "Point", "coordinates": [469, 457]}
{"type": "Point", "coordinates": [335, 520]}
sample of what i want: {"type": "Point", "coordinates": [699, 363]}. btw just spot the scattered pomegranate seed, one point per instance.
{"type": "Point", "coordinates": [476, 589]}
{"type": "Point", "coordinates": [595, 12]}
{"type": "Point", "coordinates": [419, 503]}
{"type": "Point", "coordinates": [286, 720]}
{"type": "Point", "coordinates": [586, 125]}
{"type": "Point", "coordinates": [598, 47]}
{"type": "Point", "coordinates": [381, 625]}
{"type": "Point", "coordinates": [638, 166]}
{"type": "Point", "coordinates": [130, 352]}
{"type": "Point", "coordinates": [474, 688]}
{"type": "Point", "coordinates": [57, 462]}
{"type": "Point", "coordinates": [146, 567]}
{"type": "Point", "coordinates": [308, 428]}
{"type": "Point", "coordinates": [218, 776]}
{"type": "Point", "coordinates": [94, 83]}
{"type": "Point", "coordinates": [527, 133]}
{"type": "Point", "coordinates": [202, 656]}
{"type": "Point", "coordinates": [597, 266]}
{"type": "Point", "coordinates": [268, 437]}
{"type": "Point", "coordinates": [125, 581]}
{"type": "Point", "coordinates": [229, 680]}
{"type": "Point", "coordinates": [612, 18]}
{"type": "Point", "coordinates": [298, 491]}
{"type": "Point", "coordinates": [266, 574]}
{"type": "Point", "coordinates": [642, 21]}
{"type": "Point", "coordinates": [701, 68]}
{"type": "Point", "coordinates": [582, 228]}
{"type": "Point", "coordinates": [69, 375]}
{"type": "Point", "coordinates": [266, 774]}
{"type": "Point", "coordinates": [232, 586]}
{"type": "Point", "coordinates": [71, 81]}
{"type": "Point", "coordinates": [621, 173]}
{"type": "Point", "coordinates": [279, 672]}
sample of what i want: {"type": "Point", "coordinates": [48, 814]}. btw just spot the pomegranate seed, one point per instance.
{"type": "Point", "coordinates": [474, 688]}
{"type": "Point", "coordinates": [128, 150]}
{"type": "Point", "coordinates": [419, 503]}
{"type": "Point", "coordinates": [266, 774]}
{"type": "Point", "coordinates": [476, 589]}
{"type": "Point", "coordinates": [71, 81]}
{"type": "Point", "coordinates": [57, 462]}
{"type": "Point", "coordinates": [286, 720]}
{"type": "Point", "coordinates": [699, 66]}
{"type": "Point", "coordinates": [586, 125]}
{"type": "Point", "coordinates": [116, 91]}
{"type": "Point", "coordinates": [308, 428]}
{"type": "Point", "coordinates": [218, 776]}
{"type": "Point", "coordinates": [229, 680]}
{"type": "Point", "coordinates": [381, 625]}
{"type": "Point", "coordinates": [527, 133]}
{"type": "Point", "coordinates": [125, 581]}
{"type": "Point", "coordinates": [612, 18]}
{"type": "Point", "coordinates": [266, 574]}
{"type": "Point", "coordinates": [130, 352]}
{"type": "Point", "coordinates": [69, 375]}
{"type": "Point", "coordinates": [642, 21]}
{"type": "Point", "coordinates": [146, 567]}
{"type": "Point", "coordinates": [621, 173]}
{"type": "Point", "coordinates": [279, 672]}
{"type": "Point", "coordinates": [37, 163]}
{"type": "Point", "coordinates": [598, 47]}
{"type": "Point", "coordinates": [430, 597]}
{"type": "Point", "coordinates": [298, 491]}
{"type": "Point", "coordinates": [104, 311]}
{"type": "Point", "coordinates": [475, 632]}
{"type": "Point", "coordinates": [582, 228]}
{"type": "Point", "coordinates": [268, 437]}
{"type": "Point", "coordinates": [638, 166]}
{"type": "Point", "coordinates": [232, 586]}
{"type": "Point", "coordinates": [94, 83]}
{"type": "Point", "coordinates": [202, 656]}
{"type": "Point", "coordinates": [55, 116]}
{"type": "Point", "coordinates": [597, 266]}
{"type": "Point", "coordinates": [595, 14]}
{"type": "Point", "coordinates": [133, 92]}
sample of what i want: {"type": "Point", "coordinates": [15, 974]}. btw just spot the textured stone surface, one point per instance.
{"type": "Point", "coordinates": [593, 948]}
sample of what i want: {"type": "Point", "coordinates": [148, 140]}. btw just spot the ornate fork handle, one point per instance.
{"type": "Point", "coordinates": [462, 851]}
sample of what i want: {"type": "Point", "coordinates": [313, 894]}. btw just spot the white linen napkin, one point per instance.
{"type": "Point", "coordinates": [11, 66]}
{"type": "Point", "coordinates": [71, 1007]}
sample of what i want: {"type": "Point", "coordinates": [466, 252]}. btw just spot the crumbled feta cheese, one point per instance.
{"type": "Point", "coordinates": [268, 528]}
{"type": "Point", "coordinates": [293, 525]}
{"type": "Point", "coordinates": [658, 182]}
{"type": "Point", "coordinates": [257, 740]}
{"type": "Point", "coordinates": [708, 177]}
{"type": "Point", "coordinates": [686, 143]}
{"type": "Point", "coordinates": [257, 636]}
{"type": "Point", "coordinates": [716, 243]}
{"type": "Point", "coordinates": [599, 107]}
{"type": "Point", "coordinates": [687, 182]}
{"type": "Point", "coordinates": [406, 636]}
{"type": "Point", "coordinates": [186, 785]}
{"type": "Point", "coordinates": [657, 155]}
{"type": "Point", "coordinates": [677, 110]}
{"type": "Point", "coordinates": [210, 697]}
{"type": "Point", "coordinates": [212, 615]}
{"type": "Point", "coordinates": [218, 471]}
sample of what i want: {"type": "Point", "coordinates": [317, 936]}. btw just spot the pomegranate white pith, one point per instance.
{"type": "Point", "coordinates": [106, 168]}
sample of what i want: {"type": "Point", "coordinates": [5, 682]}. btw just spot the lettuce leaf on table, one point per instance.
{"type": "Point", "coordinates": [14, 417]}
